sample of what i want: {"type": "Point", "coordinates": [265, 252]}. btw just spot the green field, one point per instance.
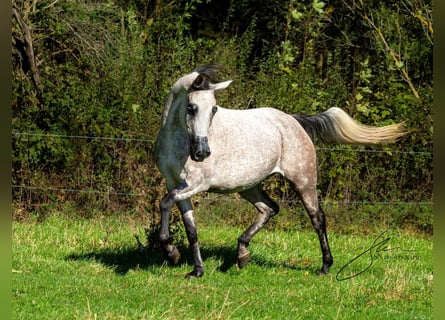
{"type": "Point", "coordinates": [78, 268]}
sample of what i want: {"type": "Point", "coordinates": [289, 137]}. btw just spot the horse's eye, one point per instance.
{"type": "Point", "coordinates": [192, 109]}
{"type": "Point", "coordinates": [214, 109]}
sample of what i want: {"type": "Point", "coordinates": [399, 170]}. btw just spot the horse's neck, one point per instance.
{"type": "Point", "coordinates": [177, 93]}
{"type": "Point", "coordinates": [174, 117]}
{"type": "Point", "coordinates": [166, 109]}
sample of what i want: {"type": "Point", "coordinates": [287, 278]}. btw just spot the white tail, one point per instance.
{"type": "Point", "coordinates": [335, 125]}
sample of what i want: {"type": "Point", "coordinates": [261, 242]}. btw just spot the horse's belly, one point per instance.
{"type": "Point", "coordinates": [241, 173]}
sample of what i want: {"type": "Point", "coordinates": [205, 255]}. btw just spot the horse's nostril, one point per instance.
{"type": "Point", "coordinates": [200, 155]}
{"type": "Point", "coordinates": [200, 149]}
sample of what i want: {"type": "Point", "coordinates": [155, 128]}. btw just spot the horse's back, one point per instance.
{"type": "Point", "coordinates": [260, 128]}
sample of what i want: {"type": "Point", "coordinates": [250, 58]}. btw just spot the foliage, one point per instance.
{"type": "Point", "coordinates": [104, 69]}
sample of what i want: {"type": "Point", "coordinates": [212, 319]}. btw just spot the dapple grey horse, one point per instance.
{"type": "Point", "coordinates": [204, 147]}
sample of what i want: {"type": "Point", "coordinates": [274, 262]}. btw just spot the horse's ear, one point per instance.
{"type": "Point", "coordinates": [220, 85]}
{"type": "Point", "coordinates": [200, 83]}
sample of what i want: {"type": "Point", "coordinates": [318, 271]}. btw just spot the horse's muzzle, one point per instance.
{"type": "Point", "coordinates": [199, 149]}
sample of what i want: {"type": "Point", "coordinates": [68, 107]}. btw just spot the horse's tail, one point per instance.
{"type": "Point", "coordinates": [335, 125]}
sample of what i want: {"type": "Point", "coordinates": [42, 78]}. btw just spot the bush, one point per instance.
{"type": "Point", "coordinates": [104, 69]}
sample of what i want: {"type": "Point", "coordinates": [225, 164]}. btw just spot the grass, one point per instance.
{"type": "Point", "coordinates": [77, 268]}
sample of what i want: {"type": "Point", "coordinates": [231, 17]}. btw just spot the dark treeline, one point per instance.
{"type": "Point", "coordinates": [104, 69]}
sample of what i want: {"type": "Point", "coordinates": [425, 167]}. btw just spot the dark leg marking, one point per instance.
{"type": "Point", "coordinates": [171, 253]}
{"type": "Point", "coordinates": [318, 220]}
{"type": "Point", "coordinates": [192, 235]}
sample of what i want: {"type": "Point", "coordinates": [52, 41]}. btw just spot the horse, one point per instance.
{"type": "Point", "coordinates": [202, 146]}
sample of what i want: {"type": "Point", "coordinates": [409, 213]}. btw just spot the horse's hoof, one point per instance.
{"type": "Point", "coordinates": [323, 271]}
{"type": "Point", "coordinates": [173, 256]}
{"type": "Point", "coordinates": [196, 273]}
{"type": "Point", "coordinates": [243, 260]}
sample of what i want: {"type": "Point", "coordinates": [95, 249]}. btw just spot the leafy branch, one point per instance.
{"type": "Point", "coordinates": [395, 56]}
{"type": "Point", "coordinates": [380, 37]}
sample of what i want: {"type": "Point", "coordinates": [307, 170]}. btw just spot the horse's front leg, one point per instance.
{"type": "Point", "coordinates": [170, 251]}
{"type": "Point", "coordinates": [181, 195]}
{"type": "Point", "coordinates": [192, 235]}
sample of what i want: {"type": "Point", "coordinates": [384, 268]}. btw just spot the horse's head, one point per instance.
{"type": "Point", "coordinates": [201, 108]}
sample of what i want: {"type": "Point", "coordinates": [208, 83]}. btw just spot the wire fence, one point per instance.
{"type": "Point", "coordinates": [208, 197]}
{"type": "Point", "coordinates": [149, 140]}
{"type": "Point", "coordinates": [113, 192]}
{"type": "Point", "coordinates": [63, 136]}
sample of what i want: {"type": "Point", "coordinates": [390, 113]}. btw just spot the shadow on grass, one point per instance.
{"type": "Point", "coordinates": [124, 260]}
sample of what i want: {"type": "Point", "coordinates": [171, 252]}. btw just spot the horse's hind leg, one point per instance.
{"type": "Point", "coordinates": [267, 208]}
{"type": "Point", "coordinates": [317, 216]}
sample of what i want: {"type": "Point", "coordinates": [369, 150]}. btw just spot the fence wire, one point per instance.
{"type": "Point", "coordinates": [150, 140]}
{"type": "Point", "coordinates": [62, 136]}
{"type": "Point", "coordinates": [229, 199]}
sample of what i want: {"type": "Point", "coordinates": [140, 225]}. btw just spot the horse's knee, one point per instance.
{"type": "Point", "coordinates": [167, 202]}
{"type": "Point", "coordinates": [269, 209]}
